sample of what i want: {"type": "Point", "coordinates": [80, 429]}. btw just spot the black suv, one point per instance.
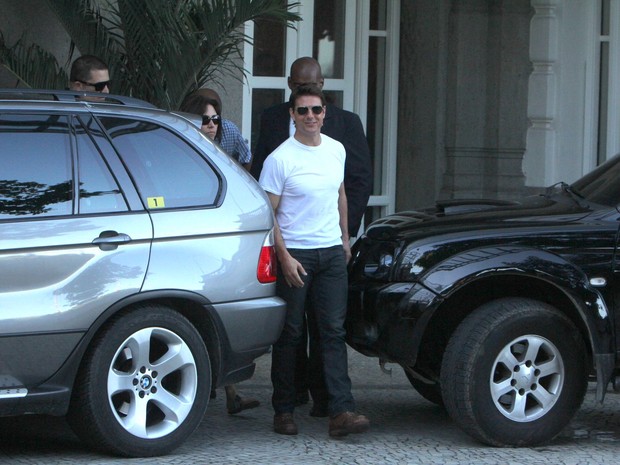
{"type": "Point", "coordinates": [500, 311]}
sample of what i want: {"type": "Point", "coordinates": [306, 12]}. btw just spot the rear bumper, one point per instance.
{"type": "Point", "coordinates": [252, 324]}
{"type": "Point", "coordinates": [252, 327]}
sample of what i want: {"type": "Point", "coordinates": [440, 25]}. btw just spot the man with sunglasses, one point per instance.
{"type": "Point", "coordinates": [304, 180]}
{"type": "Point", "coordinates": [344, 126]}
{"type": "Point", "coordinates": [89, 74]}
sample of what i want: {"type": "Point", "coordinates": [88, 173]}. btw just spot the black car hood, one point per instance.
{"type": "Point", "coordinates": [464, 215]}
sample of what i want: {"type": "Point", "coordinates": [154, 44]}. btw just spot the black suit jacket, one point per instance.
{"type": "Point", "coordinates": [339, 124]}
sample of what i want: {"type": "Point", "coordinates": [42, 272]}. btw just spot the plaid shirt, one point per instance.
{"type": "Point", "coordinates": [233, 142]}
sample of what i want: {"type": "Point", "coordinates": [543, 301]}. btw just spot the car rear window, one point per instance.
{"type": "Point", "coordinates": [36, 166]}
{"type": "Point", "coordinates": [169, 173]}
{"type": "Point", "coordinates": [39, 154]}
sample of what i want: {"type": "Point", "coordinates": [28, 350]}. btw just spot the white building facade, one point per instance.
{"type": "Point", "coordinates": [574, 89]}
{"type": "Point", "coordinates": [459, 98]}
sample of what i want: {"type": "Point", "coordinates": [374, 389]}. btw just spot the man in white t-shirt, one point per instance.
{"type": "Point", "coordinates": [303, 179]}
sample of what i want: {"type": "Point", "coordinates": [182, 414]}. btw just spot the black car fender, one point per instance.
{"type": "Point", "coordinates": [453, 274]}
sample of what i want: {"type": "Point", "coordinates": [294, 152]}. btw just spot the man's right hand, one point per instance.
{"type": "Point", "coordinates": [292, 270]}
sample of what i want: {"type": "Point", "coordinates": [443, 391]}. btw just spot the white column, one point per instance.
{"type": "Point", "coordinates": [541, 153]}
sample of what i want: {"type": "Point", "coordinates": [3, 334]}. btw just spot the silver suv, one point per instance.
{"type": "Point", "coordinates": [137, 268]}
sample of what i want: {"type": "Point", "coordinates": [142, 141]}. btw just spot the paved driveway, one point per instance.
{"type": "Point", "coordinates": [405, 429]}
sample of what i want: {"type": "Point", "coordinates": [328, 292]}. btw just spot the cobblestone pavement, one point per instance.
{"type": "Point", "coordinates": [406, 429]}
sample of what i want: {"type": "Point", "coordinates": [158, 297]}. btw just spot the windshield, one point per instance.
{"type": "Point", "coordinates": [602, 185]}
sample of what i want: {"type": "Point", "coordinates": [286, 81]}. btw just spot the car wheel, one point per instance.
{"type": "Point", "coordinates": [144, 384]}
{"type": "Point", "coordinates": [514, 373]}
{"type": "Point", "coordinates": [431, 392]}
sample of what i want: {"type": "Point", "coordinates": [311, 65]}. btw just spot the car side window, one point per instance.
{"type": "Point", "coordinates": [36, 166]}
{"type": "Point", "coordinates": [99, 192]}
{"type": "Point", "coordinates": [169, 173]}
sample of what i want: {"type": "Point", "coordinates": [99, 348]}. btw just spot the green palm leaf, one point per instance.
{"type": "Point", "coordinates": [32, 65]}
{"type": "Point", "coordinates": [157, 50]}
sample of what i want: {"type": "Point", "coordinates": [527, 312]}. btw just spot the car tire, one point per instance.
{"type": "Point", "coordinates": [144, 384]}
{"type": "Point", "coordinates": [431, 392]}
{"type": "Point", "coordinates": [514, 373]}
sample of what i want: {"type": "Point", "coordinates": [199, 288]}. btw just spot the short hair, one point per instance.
{"type": "Point", "coordinates": [82, 67]}
{"type": "Point", "coordinates": [302, 91]}
{"type": "Point", "coordinates": [197, 102]}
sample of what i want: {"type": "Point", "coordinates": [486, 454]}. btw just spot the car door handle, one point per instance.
{"type": "Point", "coordinates": [110, 240]}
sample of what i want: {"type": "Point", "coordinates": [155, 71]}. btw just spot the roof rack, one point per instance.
{"type": "Point", "coordinates": [71, 96]}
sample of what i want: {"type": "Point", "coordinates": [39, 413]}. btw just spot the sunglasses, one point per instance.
{"type": "Point", "coordinates": [99, 86]}
{"type": "Point", "coordinates": [317, 110]}
{"type": "Point", "coordinates": [215, 119]}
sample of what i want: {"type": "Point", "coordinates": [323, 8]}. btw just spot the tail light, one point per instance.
{"type": "Point", "coordinates": [267, 262]}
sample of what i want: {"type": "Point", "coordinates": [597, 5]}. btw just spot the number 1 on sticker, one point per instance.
{"type": "Point", "coordinates": [155, 202]}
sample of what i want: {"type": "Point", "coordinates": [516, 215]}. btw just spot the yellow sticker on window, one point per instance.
{"type": "Point", "coordinates": [155, 202]}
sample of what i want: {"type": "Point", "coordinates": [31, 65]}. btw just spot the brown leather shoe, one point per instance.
{"type": "Point", "coordinates": [347, 423]}
{"type": "Point", "coordinates": [240, 404]}
{"type": "Point", "coordinates": [283, 423]}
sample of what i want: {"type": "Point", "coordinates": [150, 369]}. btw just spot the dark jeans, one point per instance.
{"type": "Point", "coordinates": [325, 285]}
{"type": "Point", "coordinates": [309, 364]}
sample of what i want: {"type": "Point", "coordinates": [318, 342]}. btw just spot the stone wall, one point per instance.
{"type": "Point", "coordinates": [463, 117]}
{"type": "Point", "coordinates": [487, 99]}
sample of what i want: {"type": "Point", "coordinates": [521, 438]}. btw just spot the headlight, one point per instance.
{"type": "Point", "coordinates": [379, 268]}
{"type": "Point", "coordinates": [408, 266]}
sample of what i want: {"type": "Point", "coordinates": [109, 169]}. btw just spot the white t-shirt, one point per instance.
{"type": "Point", "coordinates": [307, 180]}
